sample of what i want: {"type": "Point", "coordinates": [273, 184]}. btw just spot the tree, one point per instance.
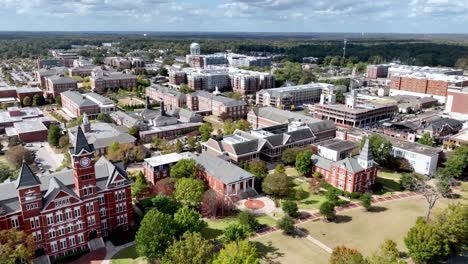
{"type": "Point", "coordinates": [289, 155]}
{"type": "Point", "coordinates": [205, 130]}
{"type": "Point", "coordinates": [426, 139]}
{"type": "Point", "coordinates": [156, 232]}
{"type": "Point", "coordinates": [243, 125]}
{"type": "Point", "coordinates": [286, 223]}
{"type": "Point", "coordinates": [430, 194]}
{"type": "Point", "coordinates": [228, 127]}
{"type": "Point", "coordinates": [64, 141]}
{"type": "Point", "coordinates": [15, 155]}
{"type": "Point", "coordinates": [185, 168]}
{"type": "Point", "coordinates": [163, 71]}
{"type": "Point", "coordinates": [189, 191]}
{"type": "Point", "coordinates": [166, 186]}
{"type": "Point", "coordinates": [277, 184]}
{"type": "Point", "coordinates": [38, 100]}
{"type": "Point", "coordinates": [242, 252]}
{"type": "Point", "coordinates": [53, 135]}
{"type": "Point", "coordinates": [426, 243]}
{"type": "Point", "coordinates": [408, 181]}
{"type": "Point", "coordinates": [332, 195]}
{"type": "Point", "coordinates": [386, 254]}
{"type": "Point", "coordinates": [342, 254]}
{"type": "Point", "coordinates": [185, 89]}
{"type": "Point", "coordinates": [381, 148]}
{"type": "Point", "coordinates": [456, 164]}
{"type": "Point", "coordinates": [303, 162]}
{"type": "Point", "coordinates": [224, 116]}
{"type": "Point", "coordinates": [188, 220]}
{"type": "Point", "coordinates": [452, 222]}
{"type": "Point", "coordinates": [258, 168]}
{"type": "Point", "coordinates": [27, 101]}
{"type": "Point", "coordinates": [246, 218]}
{"type": "Point", "coordinates": [340, 97]}
{"type": "Point", "coordinates": [191, 142]}
{"type": "Point", "coordinates": [327, 210]}
{"type": "Point", "coordinates": [133, 131]}
{"type": "Point", "coordinates": [139, 185]}
{"type": "Point", "coordinates": [280, 169]}
{"type": "Point", "coordinates": [192, 248]}
{"type": "Point", "coordinates": [58, 100]}
{"type": "Point", "coordinates": [164, 204]}
{"type": "Point", "coordinates": [104, 117]}
{"type": "Point", "coordinates": [5, 172]}
{"type": "Point", "coordinates": [366, 201]}
{"type": "Point", "coordinates": [290, 208]}
{"type": "Point", "coordinates": [179, 146]}
{"type": "Point", "coordinates": [16, 246]}
{"type": "Point", "coordinates": [236, 232]}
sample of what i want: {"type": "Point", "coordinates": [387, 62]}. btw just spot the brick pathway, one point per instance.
{"type": "Point", "coordinates": [94, 257]}
{"type": "Point", "coordinates": [315, 215]}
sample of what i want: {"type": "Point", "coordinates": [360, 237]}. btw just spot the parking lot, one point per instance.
{"type": "Point", "coordinates": [45, 158]}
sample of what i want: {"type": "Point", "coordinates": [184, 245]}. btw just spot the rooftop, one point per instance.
{"type": "Point", "coordinates": [222, 170]}
{"type": "Point", "coordinates": [168, 158]}
{"type": "Point", "coordinates": [77, 98]}
{"type": "Point", "coordinates": [337, 144]}
{"type": "Point", "coordinates": [103, 134]}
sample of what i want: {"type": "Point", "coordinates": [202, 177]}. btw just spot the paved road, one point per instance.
{"type": "Point", "coordinates": [47, 157]}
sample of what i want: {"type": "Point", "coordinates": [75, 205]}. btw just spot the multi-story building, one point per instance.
{"type": "Point", "coordinates": [353, 114]}
{"type": "Point", "coordinates": [82, 71]}
{"type": "Point", "coordinates": [66, 58]}
{"type": "Point", "coordinates": [41, 74]}
{"type": "Point", "coordinates": [456, 103]}
{"type": "Point", "coordinates": [377, 71]}
{"type": "Point", "coordinates": [351, 174]}
{"type": "Point", "coordinates": [396, 70]}
{"type": "Point", "coordinates": [335, 149]}
{"type": "Point", "coordinates": [76, 104]}
{"type": "Point", "coordinates": [239, 60]}
{"type": "Point", "coordinates": [201, 101]}
{"type": "Point", "coordinates": [159, 167]}
{"type": "Point", "coordinates": [170, 97]}
{"type": "Point", "coordinates": [48, 63]}
{"type": "Point", "coordinates": [64, 211]}
{"type": "Point", "coordinates": [103, 82]}
{"type": "Point", "coordinates": [248, 82]}
{"type": "Point", "coordinates": [19, 93]}
{"type": "Point", "coordinates": [209, 80]}
{"type": "Point", "coordinates": [177, 77]}
{"type": "Point", "coordinates": [286, 97]}
{"type": "Point", "coordinates": [58, 84]}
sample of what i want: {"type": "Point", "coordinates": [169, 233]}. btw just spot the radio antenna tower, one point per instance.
{"type": "Point", "coordinates": [344, 47]}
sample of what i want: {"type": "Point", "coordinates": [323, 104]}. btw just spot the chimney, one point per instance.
{"type": "Point", "coordinates": [163, 111]}
{"type": "Point", "coordinates": [148, 104]}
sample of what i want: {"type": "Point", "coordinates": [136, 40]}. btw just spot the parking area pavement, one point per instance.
{"type": "Point", "coordinates": [45, 157]}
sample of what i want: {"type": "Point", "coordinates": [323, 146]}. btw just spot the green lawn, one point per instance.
{"type": "Point", "coordinates": [305, 199]}
{"type": "Point", "coordinates": [389, 175]}
{"type": "Point", "coordinates": [390, 183]}
{"type": "Point", "coordinates": [215, 228]}
{"type": "Point", "coordinates": [128, 256]}
{"type": "Point", "coordinates": [367, 230]}
{"type": "Point", "coordinates": [279, 248]}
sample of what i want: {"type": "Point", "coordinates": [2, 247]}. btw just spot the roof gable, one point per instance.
{"type": "Point", "coordinates": [26, 177]}
{"type": "Point", "coordinates": [81, 143]}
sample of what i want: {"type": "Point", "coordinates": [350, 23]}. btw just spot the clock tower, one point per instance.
{"type": "Point", "coordinates": [82, 156]}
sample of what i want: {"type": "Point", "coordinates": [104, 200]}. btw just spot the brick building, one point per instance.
{"type": "Point", "coordinates": [377, 71]}
{"type": "Point", "coordinates": [30, 130]}
{"type": "Point", "coordinates": [103, 82]}
{"type": "Point", "coordinates": [41, 74]}
{"type": "Point", "coordinates": [251, 82]}
{"type": "Point", "coordinates": [159, 167]}
{"type": "Point", "coordinates": [456, 103]}
{"type": "Point", "coordinates": [58, 84]}
{"type": "Point", "coordinates": [351, 174]}
{"type": "Point", "coordinates": [83, 71]}
{"type": "Point", "coordinates": [201, 101]}
{"type": "Point", "coordinates": [76, 104]}
{"type": "Point", "coordinates": [177, 77]}
{"type": "Point", "coordinates": [170, 97]}
{"type": "Point", "coordinates": [64, 211]}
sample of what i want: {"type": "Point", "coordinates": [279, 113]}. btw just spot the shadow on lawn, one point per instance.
{"type": "Point", "coordinates": [210, 233]}
{"type": "Point", "coordinates": [268, 252]}
{"type": "Point", "coordinates": [340, 219]}
{"type": "Point", "coordinates": [377, 209]}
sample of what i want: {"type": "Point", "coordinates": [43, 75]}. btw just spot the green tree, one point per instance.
{"type": "Point", "coordinates": [258, 168]}
{"type": "Point", "coordinates": [366, 201]}
{"type": "Point", "coordinates": [205, 130]}
{"type": "Point", "coordinates": [327, 210]}
{"type": "Point", "coordinates": [246, 218]}
{"type": "Point", "coordinates": [286, 223]}
{"type": "Point", "coordinates": [452, 222]}
{"type": "Point", "coordinates": [191, 141]}
{"type": "Point", "coordinates": [408, 181]}
{"type": "Point", "coordinates": [332, 195]}
{"type": "Point", "coordinates": [133, 131]}
{"type": "Point", "coordinates": [139, 185]}
{"type": "Point", "coordinates": [243, 125]}
{"type": "Point", "coordinates": [53, 135]}
{"type": "Point", "coordinates": [27, 101]}
{"type": "Point", "coordinates": [277, 184]}
{"type": "Point", "coordinates": [164, 204]}
{"type": "Point", "coordinates": [16, 247]}
{"type": "Point", "coordinates": [340, 97]}
{"type": "Point", "coordinates": [303, 162]}
{"type": "Point", "coordinates": [38, 100]}
{"type": "Point", "coordinates": [236, 232]}
{"type": "Point", "coordinates": [156, 233]}
{"type": "Point", "coordinates": [426, 139]}
{"type": "Point", "coordinates": [386, 254]}
{"type": "Point", "coordinates": [242, 252]}
{"type": "Point", "coordinates": [456, 164]}
{"type": "Point", "coordinates": [289, 155]}
{"type": "Point", "coordinates": [192, 248]}
{"type": "Point", "coordinates": [290, 208]}
{"type": "Point", "coordinates": [228, 127]}
{"type": "Point", "coordinates": [58, 100]}
{"type": "Point", "coordinates": [179, 146]}
{"type": "Point", "coordinates": [64, 141]}
{"type": "Point", "coordinates": [342, 254]}
{"type": "Point", "coordinates": [189, 191]}
{"type": "Point", "coordinates": [381, 148]}
{"type": "Point", "coordinates": [185, 168]}
{"type": "Point", "coordinates": [426, 243]}
{"type": "Point", "coordinates": [104, 117]}
{"type": "Point", "coordinates": [163, 71]}
{"type": "Point", "coordinates": [185, 89]}
{"type": "Point", "coordinates": [188, 220]}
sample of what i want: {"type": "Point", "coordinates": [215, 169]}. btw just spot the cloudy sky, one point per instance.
{"type": "Point", "coordinates": [402, 16]}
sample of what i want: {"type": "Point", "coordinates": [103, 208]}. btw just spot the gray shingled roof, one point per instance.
{"type": "Point", "coordinates": [281, 116]}
{"type": "Point", "coordinates": [351, 164]}
{"type": "Point", "coordinates": [57, 79]}
{"type": "Point", "coordinates": [78, 98]}
{"type": "Point", "coordinates": [225, 100]}
{"type": "Point", "coordinates": [222, 170]}
{"type": "Point", "coordinates": [55, 187]}
{"type": "Point", "coordinates": [321, 162]}
{"type": "Point", "coordinates": [26, 177]}
{"type": "Point", "coordinates": [366, 152]}
{"type": "Point", "coordinates": [81, 143]}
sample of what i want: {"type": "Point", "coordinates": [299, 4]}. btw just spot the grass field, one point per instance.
{"type": "Point", "coordinates": [215, 228]}
{"type": "Point", "coordinates": [389, 175]}
{"type": "Point", "coordinates": [390, 183]}
{"type": "Point", "coordinates": [128, 256]}
{"type": "Point", "coordinates": [278, 248]}
{"type": "Point", "coordinates": [308, 200]}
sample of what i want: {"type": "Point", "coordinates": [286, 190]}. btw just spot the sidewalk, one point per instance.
{"type": "Point", "coordinates": [112, 250]}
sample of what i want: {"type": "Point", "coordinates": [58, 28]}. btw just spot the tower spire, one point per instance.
{"type": "Point", "coordinates": [365, 158]}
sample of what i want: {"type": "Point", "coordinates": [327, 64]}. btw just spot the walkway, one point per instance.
{"type": "Point", "coordinates": [112, 250]}
{"type": "Point", "coordinates": [315, 241]}
{"type": "Point", "coordinates": [267, 209]}
{"type": "Point", "coordinates": [94, 257]}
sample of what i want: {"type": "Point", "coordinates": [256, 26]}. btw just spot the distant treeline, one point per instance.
{"type": "Point", "coordinates": [409, 51]}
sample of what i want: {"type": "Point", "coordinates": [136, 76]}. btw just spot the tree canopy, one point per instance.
{"type": "Point", "coordinates": [185, 168]}
{"type": "Point", "coordinates": [303, 162]}
{"type": "Point", "coordinates": [189, 191]}
{"type": "Point", "coordinates": [277, 184]}
{"type": "Point", "coordinates": [192, 248]}
{"type": "Point", "coordinates": [241, 252]}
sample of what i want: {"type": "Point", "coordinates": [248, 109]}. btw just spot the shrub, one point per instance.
{"type": "Point", "coordinates": [408, 181]}
{"type": "Point", "coordinates": [287, 225]}
{"type": "Point", "coordinates": [355, 195]}
{"type": "Point", "coordinates": [248, 219]}
{"type": "Point", "coordinates": [70, 257]}
{"type": "Point", "coordinates": [327, 210]}
{"type": "Point", "coordinates": [366, 201]}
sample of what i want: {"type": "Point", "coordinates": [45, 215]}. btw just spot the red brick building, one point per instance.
{"type": "Point", "coordinates": [377, 71]}
{"type": "Point", "coordinates": [205, 101]}
{"type": "Point", "coordinates": [352, 174]}
{"type": "Point", "coordinates": [456, 103]}
{"type": "Point", "coordinates": [76, 104]}
{"type": "Point", "coordinates": [112, 82]}
{"type": "Point", "coordinates": [170, 97]}
{"type": "Point", "coordinates": [57, 84]}
{"type": "Point", "coordinates": [437, 85]}
{"type": "Point", "coordinates": [159, 167]}
{"type": "Point", "coordinates": [66, 210]}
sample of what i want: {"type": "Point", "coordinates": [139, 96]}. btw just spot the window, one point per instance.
{"type": "Point", "coordinates": [77, 212]}
{"type": "Point", "coordinates": [62, 202]}
{"type": "Point", "coordinates": [63, 243]}
{"type": "Point", "coordinates": [101, 200]}
{"type": "Point", "coordinates": [61, 231]}
{"type": "Point", "coordinates": [121, 219]}
{"type": "Point", "coordinates": [69, 228]}
{"type": "Point", "coordinates": [68, 214]}
{"type": "Point", "coordinates": [34, 222]}
{"type": "Point", "coordinates": [71, 241]}
{"type": "Point", "coordinates": [14, 222]}
{"type": "Point", "coordinates": [102, 212]}
{"type": "Point", "coordinates": [90, 208]}
{"type": "Point", "coordinates": [59, 217]}
{"type": "Point", "coordinates": [79, 226]}
{"type": "Point", "coordinates": [80, 238]}
{"type": "Point", "coordinates": [31, 206]}
{"type": "Point", "coordinates": [91, 220]}
{"type": "Point", "coordinates": [53, 246]}
{"type": "Point", "coordinates": [104, 224]}
{"type": "Point", "coordinates": [50, 219]}
{"type": "Point", "coordinates": [37, 236]}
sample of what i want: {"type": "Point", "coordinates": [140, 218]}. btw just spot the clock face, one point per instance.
{"type": "Point", "coordinates": [85, 162]}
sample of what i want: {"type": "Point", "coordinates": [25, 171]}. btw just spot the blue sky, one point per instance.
{"type": "Point", "coordinates": [402, 16]}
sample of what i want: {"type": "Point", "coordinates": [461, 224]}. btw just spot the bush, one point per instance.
{"type": "Point", "coordinates": [326, 185]}
{"type": "Point", "coordinates": [70, 257]}
{"type": "Point", "coordinates": [327, 210]}
{"type": "Point", "coordinates": [287, 225]}
{"type": "Point", "coordinates": [290, 208]}
{"type": "Point", "coordinates": [408, 181]}
{"type": "Point", "coordinates": [248, 219]}
{"type": "Point", "coordinates": [332, 195]}
{"type": "Point", "coordinates": [366, 201]}
{"type": "Point", "coordinates": [355, 195]}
